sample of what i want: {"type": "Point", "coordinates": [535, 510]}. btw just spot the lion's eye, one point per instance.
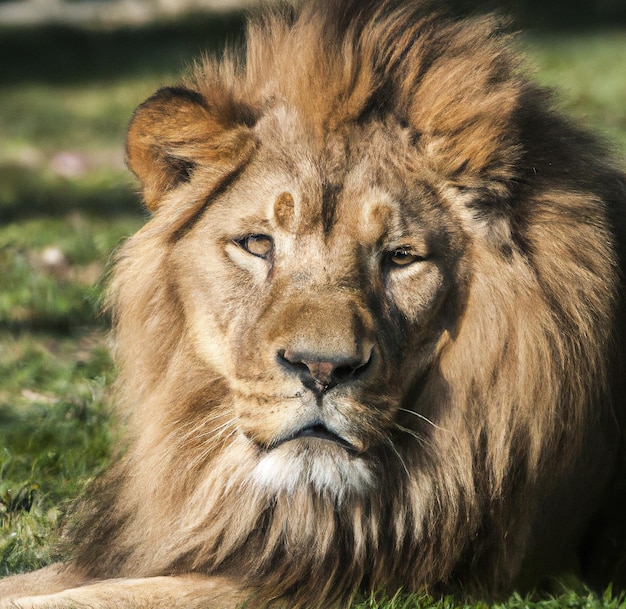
{"type": "Point", "coordinates": [257, 245]}
{"type": "Point", "coordinates": [403, 257]}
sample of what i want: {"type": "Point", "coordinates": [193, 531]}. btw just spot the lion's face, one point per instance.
{"type": "Point", "coordinates": [308, 296]}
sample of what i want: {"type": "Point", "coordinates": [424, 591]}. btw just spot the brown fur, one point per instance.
{"type": "Point", "coordinates": [442, 291]}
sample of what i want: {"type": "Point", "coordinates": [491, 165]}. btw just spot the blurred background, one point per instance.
{"type": "Point", "coordinates": [71, 73]}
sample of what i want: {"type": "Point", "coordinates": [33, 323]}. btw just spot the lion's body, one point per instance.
{"type": "Point", "coordinates": [371, 336]}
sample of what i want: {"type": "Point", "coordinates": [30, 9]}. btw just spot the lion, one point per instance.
{"type": "Point", "coordinates": [372, 335]}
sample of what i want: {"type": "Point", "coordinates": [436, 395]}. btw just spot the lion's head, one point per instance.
{"type": "Point", "coordinates": [320, 284]}
{"type": "Point", "coordinates": [368, 336]}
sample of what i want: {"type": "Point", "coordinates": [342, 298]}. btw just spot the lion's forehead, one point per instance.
{"type": "Point", "coordinates": [351, 191]}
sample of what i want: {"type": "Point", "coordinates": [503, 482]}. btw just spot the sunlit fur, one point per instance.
{"type": "Point", "coordinates": [487, 433]}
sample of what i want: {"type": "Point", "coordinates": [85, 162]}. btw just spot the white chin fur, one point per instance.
{"type": "Point", "coordinates": [317, 464]}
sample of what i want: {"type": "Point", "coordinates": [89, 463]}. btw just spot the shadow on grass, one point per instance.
{"type": "Point", "coordinates": [552, 15]}
{"type": "Point", "coordinates": [65, 54]}
{"type": "Point", "coordinates": [25, 194]}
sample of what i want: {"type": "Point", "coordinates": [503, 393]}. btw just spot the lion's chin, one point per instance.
{"type": "Point", "coordinates": [317, 431]}
{"type": "Point", "coordinates": [322, 464]}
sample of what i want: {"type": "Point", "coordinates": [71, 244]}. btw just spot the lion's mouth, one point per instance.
{"type": "Point", "coordinates": [319, 431]}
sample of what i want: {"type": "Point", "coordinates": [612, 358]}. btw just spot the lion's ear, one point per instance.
{"type": "Point", "coordinates": [173, 133]}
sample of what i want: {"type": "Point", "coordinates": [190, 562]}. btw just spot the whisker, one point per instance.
{"type": "Point", "coordinates": [209, 419]}
{"type": "Point", "coordinates": [424, 418]}
{"type": "Point", "coordinates": [215, 436]}
{"type": "Point", "coordinates": [395, 451]}
{"type": "Point", "coordinates": [221, 440]}
{"type": "Point", "coordinates": [421, 440]}
{"type": "Point", "coordinates": [410, 432]}
{"type": "Point", "coordinates": [223, 435]}
{"type": "Point", "coordinates": [215, 430]}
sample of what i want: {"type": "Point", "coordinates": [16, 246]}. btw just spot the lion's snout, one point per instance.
{"type": "Point", "coordinates": [321, 371]}
{"type": "Point", "coordinates": [325, 343]}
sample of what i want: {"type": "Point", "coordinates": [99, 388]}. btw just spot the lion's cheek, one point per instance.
{"type": "Point", "coordinates": [210, 319]}
{"type": "Point", "coordinates": [210, 342]}
{"type": "Point", "coordinates": [264, 420]}
{"type": "Point", "coordinates": [419, 296]}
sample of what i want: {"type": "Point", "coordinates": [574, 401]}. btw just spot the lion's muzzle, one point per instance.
{"type": "Point", "coordinates": [320, 372]}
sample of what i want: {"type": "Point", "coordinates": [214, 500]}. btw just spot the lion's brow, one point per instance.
{"type": "Point", "coordinates": [330, 195]}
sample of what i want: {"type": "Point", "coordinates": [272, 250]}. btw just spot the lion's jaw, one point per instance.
{"type": "Point", "coordinates": [313, 463]}
{"type": "Point", "coordinates": [311, 442]}
{"type": "Point", "coordinates": [328, 286]}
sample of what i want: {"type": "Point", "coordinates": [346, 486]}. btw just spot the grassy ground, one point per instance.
{"type": "Point", "coordinates": [66, 201]}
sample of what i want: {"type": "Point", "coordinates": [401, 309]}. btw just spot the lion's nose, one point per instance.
{"type": "Point", "coordinates": [320, 373]}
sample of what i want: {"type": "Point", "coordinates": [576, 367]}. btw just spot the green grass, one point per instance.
{"type": "Point", "coordinates": [588, 71]}
{"type": "Point", "coordinates": [55, 436]}
{"type": "Point", "coordinates": [66, 201]}
{"type": "Point", "coordinates": [567, 599]}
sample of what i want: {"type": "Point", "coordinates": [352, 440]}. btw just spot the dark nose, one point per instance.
{"type": "Point", "coordinates": [320, 373]}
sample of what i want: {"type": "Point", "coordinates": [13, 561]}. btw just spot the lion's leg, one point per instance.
{"type": "Point", "coordinates": [54, 578]}
{"type": "Point", "coordinates": [171, 592]}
